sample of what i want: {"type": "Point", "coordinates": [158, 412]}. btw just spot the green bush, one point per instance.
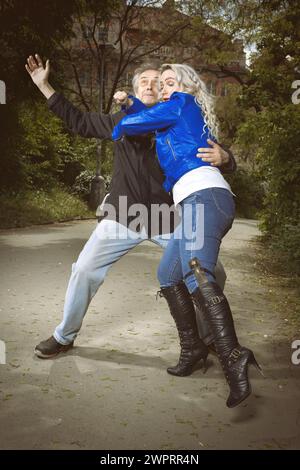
{"type": "Point", "coordinates": [248, 188]}
{"type": "Point", "coordinates": [276, 154]}
{"type": "Point", "coordinates": [38, 207]}
{"type": "Point", "coordinates": [42, 153]}
{"type": "Point", "coordinates": [82, 184]}
{"type": "Point", "coordinates": [285, 245]}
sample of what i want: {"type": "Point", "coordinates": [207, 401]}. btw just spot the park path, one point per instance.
{"type": "Point", "coordinates": [112, 391]}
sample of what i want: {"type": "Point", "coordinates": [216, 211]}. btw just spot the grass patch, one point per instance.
{"type": "Point", "coordinates": [40, 207]}
{"type": "Point", "coordinates": [283, 286]}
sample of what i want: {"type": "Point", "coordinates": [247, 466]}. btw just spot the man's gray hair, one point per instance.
{"type": "Point", "coordinates": [141, 69]}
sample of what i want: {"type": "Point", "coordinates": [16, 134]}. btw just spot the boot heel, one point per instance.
{"type": "Point", "coordinates": [254, 362]}
{"type": "Point", "coordinates": [205, 366]}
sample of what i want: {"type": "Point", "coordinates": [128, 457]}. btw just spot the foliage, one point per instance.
{"type": "Point", "coordinates": [43, 153]}
{"type": "Point", "coordinates": [82, 184]}
{"type": "Point", "coordinates": [19, 209]}
{"type": "Point", "coordinates": [269, 134]}
{"type": "Point", "coordinates": [249, 191]}
{"type": "Point", "coordinates": [25, 28]}
{"type": "Point", "coordinates": [258, 118]}
{"type": "Point", "coordinates": [276, 132]}
{"type": "Point", "coordinates": [114, 32]}
{"type": "Point", "coordinates": [285, 245]}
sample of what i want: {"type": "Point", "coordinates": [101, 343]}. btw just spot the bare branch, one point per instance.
{"type": "Point", "coordinates": [68, 55]}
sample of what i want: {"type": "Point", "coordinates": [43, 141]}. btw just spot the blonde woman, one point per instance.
{"type": "Point", "coordinates": [200, 190]}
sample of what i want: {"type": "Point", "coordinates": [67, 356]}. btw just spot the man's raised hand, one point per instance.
{"type": "Point", "coordinates": [37, 71]}
{"type": "Point", "coordinates": [40, 74]}
{"type": "Point", "coordinates": [121, 98]}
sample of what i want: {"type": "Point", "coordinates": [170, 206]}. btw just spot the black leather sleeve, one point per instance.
{"type": "Point", "coordinates": [230, 166]}
{"type": "Point", "coordinates": [86, 124]}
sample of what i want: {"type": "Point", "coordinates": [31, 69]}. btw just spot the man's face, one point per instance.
{"type": "Point", "coordinates": [148, 91]}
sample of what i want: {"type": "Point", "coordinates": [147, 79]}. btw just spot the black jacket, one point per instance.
{"type": "Point", "coordinates": [136, 171]}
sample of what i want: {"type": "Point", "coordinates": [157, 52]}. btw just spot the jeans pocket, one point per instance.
{"type": "Point", "coordinates": [224, 202]}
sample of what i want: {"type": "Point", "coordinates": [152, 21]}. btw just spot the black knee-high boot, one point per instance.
{"type": "Point", "coordinates": [192, 347]}
{"type": "Point", "coordinates": [233, 357]}
{"type": "Point", "coordinates": [203, 327]}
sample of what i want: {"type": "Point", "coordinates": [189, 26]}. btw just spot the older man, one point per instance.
{"type": "Point", "coordinates": [136, 179]}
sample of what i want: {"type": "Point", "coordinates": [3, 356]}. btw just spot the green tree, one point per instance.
{"type": "Point", "coordinates": [24, 27]}
{"type": "Point", "coordinates": [269, 134]}
{"type": "Point", "coordinates": [260, 118]}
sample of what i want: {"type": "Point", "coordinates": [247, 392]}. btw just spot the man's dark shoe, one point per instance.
{"type": "Point", "coordinates": [50, 348]}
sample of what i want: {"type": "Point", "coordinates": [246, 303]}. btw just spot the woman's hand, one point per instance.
{"type": "Point", "coordinates": [40, 74]}
{"type": "Point", "coordinates": [216, 155]}
{"type": "Point", "coordinates": [122, 99]}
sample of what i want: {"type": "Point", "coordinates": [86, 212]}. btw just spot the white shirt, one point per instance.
{"type": "Point", "coordinates": [201, 178]}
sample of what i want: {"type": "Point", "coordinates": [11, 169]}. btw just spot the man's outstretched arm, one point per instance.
{"type": "Point", "coordinates": [83, 123]}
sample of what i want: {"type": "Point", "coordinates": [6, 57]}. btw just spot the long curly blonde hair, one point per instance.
{"type": "Point", "coordinates": [190, 82]}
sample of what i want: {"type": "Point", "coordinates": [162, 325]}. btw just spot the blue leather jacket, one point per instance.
{"type": "Point", "coordinates": [179, 127]}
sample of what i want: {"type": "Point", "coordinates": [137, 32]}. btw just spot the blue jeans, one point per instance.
{"type": "Point", "coordinates": [107, 244]}
{"type": "Point", "coordinates": [206, 217]}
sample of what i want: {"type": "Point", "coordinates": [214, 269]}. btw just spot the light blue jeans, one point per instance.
{"type": "Point", "coordinates": [107, 244]}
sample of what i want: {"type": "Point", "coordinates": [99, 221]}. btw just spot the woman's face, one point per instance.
{"type": "Point", "coordinates": [168, 84]}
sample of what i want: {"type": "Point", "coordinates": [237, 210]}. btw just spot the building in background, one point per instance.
{"type": "Point", "coordinates": [93, 43]}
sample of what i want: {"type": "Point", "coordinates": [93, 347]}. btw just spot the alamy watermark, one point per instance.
{"type": "Point", "coordinates": [155, 219]}
{"type": "Point", "coordinates": [2, 92]}
{"type": "Point", "coordinates": [295, 358]}
{"type": "Point", "coordinates": [296, 94]}
{"type": "Point", "coordinates": [2, 352]}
